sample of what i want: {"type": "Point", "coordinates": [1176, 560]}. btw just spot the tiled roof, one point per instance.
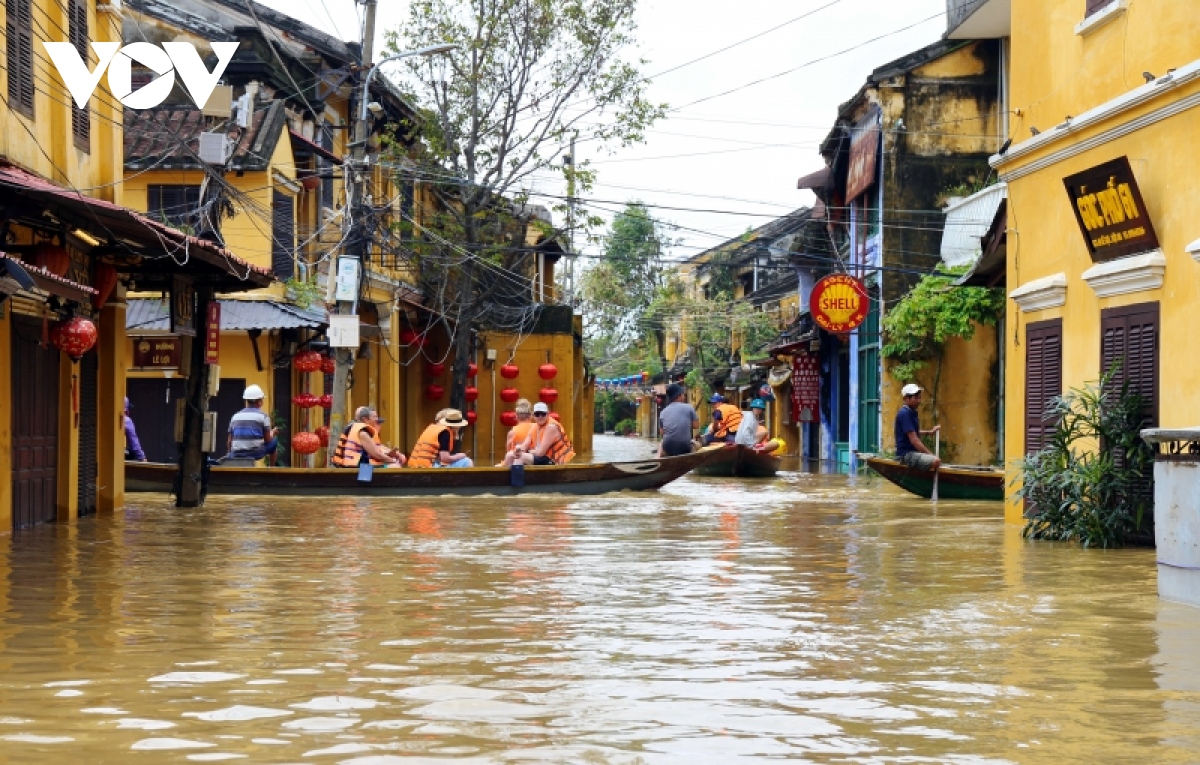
{"type": "Point", "coordinates": [168, 137]}
{"type": "Point", "coordinates": [150, 315]}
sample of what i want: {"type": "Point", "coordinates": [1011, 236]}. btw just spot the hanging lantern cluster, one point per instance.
{"type": "Point", "coordinates": [472, 370]}
{"type": "Point", "coordinates": [508, 418]}
{"type": "Point", "coordinates": [548, 395]}
{"type": "Point", "coordinates": [328, 364]}
{"type": "Point", "coordinates": [325, 402]}
{"type": "Point", "coordinates": [472, 417]}
{"type": "Point", "coordinates": [433, 391]}
{"type": "Point", "coordinates": [547, 371]}
{"type": "Point", "coordinates": [322, 434]}
{"type": "Point", "coordinates": [435, 369]}
{"type": "Point", "coordinates": [510, 371]}
{"type": "Point", "coordinates": [74, 337]}
{"type": "Point", "coordinates": [509, 395]}
{"type": "Point", "coordinates": [308, 400]}
{"type": "Point", "coordinates": [307, 443]}
{"type": "Point", "coordinates": [409, 336]}
{"type": "Point", "coordinates": [471, 393]}
{"type": "Point", "coordinates": [307, 361]}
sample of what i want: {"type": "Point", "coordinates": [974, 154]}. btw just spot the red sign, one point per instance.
{"type": "Point", "coordinates": [806, 388]}
{"type": "Point", "coordinates": [864, 154]}
{"type": "Point", "coordinates": [212, 336]}
{"type": "Point", "coordinates": [839, 303]}
{"type": "Point", "coordinates": [156, 352]}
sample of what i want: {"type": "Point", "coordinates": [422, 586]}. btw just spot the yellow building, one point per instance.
{"type": "Point", "coordinates": [1102, 232]}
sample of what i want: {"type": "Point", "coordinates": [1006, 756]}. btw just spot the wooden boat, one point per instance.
{"type": "Point", "coordinates": [581, 479]}
{"type": "Point", "coordinates": [954, 481]}
{"type": "Point", "coordinates": [740, 462]}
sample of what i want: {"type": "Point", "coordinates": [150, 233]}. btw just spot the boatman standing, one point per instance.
{"type": "Point", "coordinates": [909, 448]}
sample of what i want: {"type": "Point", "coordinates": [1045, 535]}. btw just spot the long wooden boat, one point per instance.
{"type": "Point", "coordinates": [954, 481]}
{"type": "Point", "coordinates": [582, 479]}
{"type": "Point", "coordinates": [739, 462]}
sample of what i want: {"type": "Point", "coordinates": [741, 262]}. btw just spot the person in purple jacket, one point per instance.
{"type": "Point", "coordinates": [133, 447]}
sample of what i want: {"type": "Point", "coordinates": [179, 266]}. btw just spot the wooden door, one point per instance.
{"type": "Point", "coordinates": [227, 403]}
{"type": "Point", "coordinates": [34, 426]}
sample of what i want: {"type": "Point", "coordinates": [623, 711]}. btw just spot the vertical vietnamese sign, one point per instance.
{"type": "Point", "coordinates": [212, 336]}
{"type": "Point", "coordinates": [806, 388]}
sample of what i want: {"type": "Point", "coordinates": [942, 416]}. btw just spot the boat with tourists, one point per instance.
{"type": "Point", "coordinates": [576, 479]}
{"type": "Point", "coordinates": [738, 461]}
{"type": "Point", "coordinates": [954, 481]}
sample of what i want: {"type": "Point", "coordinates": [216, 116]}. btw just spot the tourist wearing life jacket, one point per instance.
{"type": "Point", "coordinates": [435, 447]}
{"type": "Point", "coordinates": [727, 418]}
{"type": "Point", "coordinates": [362, 437]}
{"type": "Point", "coordinates": [552, 447]}
{"type": "Point", "coordinates": [519, 435]}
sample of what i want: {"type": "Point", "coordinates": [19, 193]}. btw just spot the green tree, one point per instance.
{"type": "Point", "coordinates": [528, 75]}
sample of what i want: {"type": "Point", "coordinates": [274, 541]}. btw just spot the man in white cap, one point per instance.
{"type": "Point", "coordinates": [909, 448]}
{"type": "Point", "coordinates": [250, 433]}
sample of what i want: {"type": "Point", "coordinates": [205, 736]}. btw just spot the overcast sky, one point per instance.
{"type": "Point", "coordinates": [748, 148]}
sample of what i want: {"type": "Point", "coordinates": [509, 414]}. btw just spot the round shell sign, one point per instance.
{"type": "Point", "coordinates": [839, 303]}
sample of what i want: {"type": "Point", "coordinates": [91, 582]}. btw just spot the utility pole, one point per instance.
{"type": "Point", "coordinates": [358, 234]}
{"type": "Point", "coordinates": [571, 225]}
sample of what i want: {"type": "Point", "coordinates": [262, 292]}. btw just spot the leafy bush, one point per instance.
{"type": "Point", "coordinates": [625, 427]}
{"type": "Point", "coordinates": [1090, 484]}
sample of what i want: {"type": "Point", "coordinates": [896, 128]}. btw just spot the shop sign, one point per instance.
{"type": "Point", "coordinates": [864, 156]}
{"type": "Point", "coordinates": [1109, 209]}
{"type": "Point", "coordinates": [806, 388]}
{"type": "Point", "coordinates": [156, 352]}
{"type": "Point", "coordinates": [839, 303]}
{"type": "Point", "coordinates": [183, 306]}
{"type": "Point", "coordinates": [212, 333]}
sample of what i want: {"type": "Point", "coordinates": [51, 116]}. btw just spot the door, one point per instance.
{"type": "Point", "coordinates": [34, 426]}
{"type": "Point", "coordinates": [89, 469]}
{"type": "Point", "coordinates": [152, 408]}
{"type": "Point", "coordinates": [869, 388]}
{"type": "Point", "coordinates": [227, 403]}
{"type": "Point", "coordinates": [1129, 345]}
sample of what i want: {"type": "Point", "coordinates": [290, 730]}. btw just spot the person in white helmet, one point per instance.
{"type": "Point", "coordinates": [250, 433]}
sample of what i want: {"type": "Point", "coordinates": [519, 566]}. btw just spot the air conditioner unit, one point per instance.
{"type": "Point", "coordinates": [215, 148]}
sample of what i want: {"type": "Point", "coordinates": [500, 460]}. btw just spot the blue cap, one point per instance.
{"type": "Point", "coordinates": [716, 398]}
{"type": "Point", "coordinates": [757, 404]}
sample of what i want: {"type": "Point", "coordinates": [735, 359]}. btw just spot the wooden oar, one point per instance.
{"type": "Point", "coordinates": [937, 452]}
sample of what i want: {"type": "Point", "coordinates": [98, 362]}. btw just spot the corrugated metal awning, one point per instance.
{"type": "Point", "coordinates": [150, 315]}
{"type": "Point", "coordinates": [967, 221]}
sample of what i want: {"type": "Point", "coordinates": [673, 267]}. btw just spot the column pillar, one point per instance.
{"type": "Point", "coordinates": [6, 437]}
{"type": "Point", "coordinates": [110, 430]}
{"type": "Point", "coordinates": [68, 440]}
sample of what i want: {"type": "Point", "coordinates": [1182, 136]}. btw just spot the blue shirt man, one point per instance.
{"type": "Point", "coordinates": [909, 448]}
{"type": "Point", "coordinates": [250, 433]}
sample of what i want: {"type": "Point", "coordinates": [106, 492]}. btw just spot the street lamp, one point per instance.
{"type": "Point", "coordinates": [366, 95]}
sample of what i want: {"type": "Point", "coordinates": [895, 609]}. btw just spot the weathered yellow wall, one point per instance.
{"type": "Point", "coordinates": [1056, 73]}
{"type": "Point", "coordinates": [6, 398]}
{"type": "Point", "coordinates": [110, 430]}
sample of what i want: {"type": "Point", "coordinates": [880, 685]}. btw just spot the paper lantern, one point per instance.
{"type": "Point", "coordinates": [104, 281]}
{"type": "Point", "coordinates": [547, 371]}
{"type": "Point", "coordinates": [508, 418]}
{"type": "Point", "coordinates": [645, 376]}
{"type": "Point", "coordinates": [510, 371]}
{"type": "Point", "coordinates": [325, 402]}
{"type": "Point", "coordinates": [471, 393]}
{"type": "Point", "coordinates": [323, 435]}
{"type": "Point", "coordinates": [306, 443]}
{"type": "Point", "coordinates": [433, 391]}
{"type": "Point", "coordinates": [472, 369]}
{"type": "Point", "coordinates": [554, 416]}
{"type": "Point", "coordinates": [509, 395]}
{"type": "Point", "coordinates": [53, 258]}
{"type": "Point", "coordinates": [307, 361]}
{"type": "Point", "coordinates": [310, 182]}
{"type": "Point", "coordinates": [435, 369]}
{"type": "Point", "coordinates": [328, 365]}
{"type": "Point", "coordinates": [471, 417]}
{"type": "Point", "coordinates": [548, 395]}
{"type": "Point", "coordinates": [74, 337]}
{"type": "Point", "coordinates": [407, 336]}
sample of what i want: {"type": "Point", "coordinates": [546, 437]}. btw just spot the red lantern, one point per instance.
{"type": "Point", "coordinates": [433, 391]}
{"type": "Point", "coordinates": [435, 369]}
{"type": "Point", "coordinates": [645, 376]}
{"type": "Point", "coordinates": [306, 443]}
{"type": "Point", "coordinates": [104, 281]}
{"type": "Point", "coordinates": [509, 395]}
{"type": "Point", "coordinates": [554, 416]}
{"type": "Point", "coordinates": [74, 337]}
{"type": "Point", "coordinates": [508, 418]}
{"type": "Point", "coordinates": [407, 336]}
{"type": "Point", "coordinates": [53, 258]}
{"type": "Point", "coordinates": [306, 400]}
{"type": "Point", "coordinates": [471, 393]}
{"type": "Point", "coordinates": [326, 401]}
{"type": "Point", "coordinates": [307, 361]}
{"type": "Point", "coordinates": [310, 182]}
{"type": "Point", "coordinates": [323, 435]}
{"type": "Point", "coordinates": [328, 365]}
{"type": "Point", "coordinates": [510, 371]}
{"type": "Point", "coordinates": [472, 417]}
{"type": "Point", "coordinates": [472, 369]}
{"type": "Point", "coordinates": [547, 371]}
{"type": "Point", "coordinates": [548, 395]}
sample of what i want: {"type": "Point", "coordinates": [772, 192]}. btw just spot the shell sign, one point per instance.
{"type": "Point", "coordinates": [839, 303]}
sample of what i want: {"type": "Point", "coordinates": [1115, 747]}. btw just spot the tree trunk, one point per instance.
{"type": "Point", "coordinates": [462, 337]}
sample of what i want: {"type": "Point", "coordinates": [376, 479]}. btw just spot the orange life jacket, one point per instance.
{"type": "Point", "coordinates": [426, 451]}
{"type": "Point", "coordinates": [349, 451]}
{"type": "Point", "coordinates": [518, 434]}
{"type": "Point", "coordinates": [379, 443]}
{"type": "Point", "coordinates": [561, 451]}
{"type": "Point", "coordinates": [731, 420]}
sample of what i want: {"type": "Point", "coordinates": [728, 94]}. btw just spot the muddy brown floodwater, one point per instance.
{"type": "Point", "coordinates": [809, 618]}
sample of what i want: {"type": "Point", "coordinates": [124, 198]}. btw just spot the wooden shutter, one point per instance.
{"type": "Point", "coordinates": [1043, 379]}
{"type": "Point", "coordinates": [178, 205]}
{"type": "Point", "coordinates": [81, 121]}
{"type": "Point", "coordinates": [18, 30]}
{"type": "Point", "coordinates": [1130, 335]}
{"type": "Point", "coordinates": [1094, 5]}
{"type": "Point", "coordinates": [283, 235]}
{"type": "Point", "coordinates": [325, 167]}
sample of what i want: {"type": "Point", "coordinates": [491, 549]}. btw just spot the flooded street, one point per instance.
{"type": "Point", "coordinates": [808, 618]}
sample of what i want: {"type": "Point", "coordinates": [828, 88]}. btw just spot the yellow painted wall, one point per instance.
{"type": "Point", "coordinates": [6, 397]}
{"type": "Point", "coordinates": [1055, 73]}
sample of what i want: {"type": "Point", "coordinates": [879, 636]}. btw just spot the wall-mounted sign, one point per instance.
{"type": "Point", "coordinates": [839, 303]}
{"type": "Point", "coordinates": [864, 155]}
{"type": "Point", "coordinates": [806, 388]}
{"type": "Point", "coordinates": [343, 331]}
{"type": "Point", "coordinates": [183, 306]}
{"type": "Point", "coordinates": [1108, 206]}
{"type": "Point", "coordinates": [156, 352]}
{"type": "Point", "coordinates": [212, 333]}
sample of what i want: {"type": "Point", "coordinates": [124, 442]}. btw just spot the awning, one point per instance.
{"type": "Point", "coordinates": [966, 223]}
{"type": "Point", "coordinates": [43, 281]}
{"type": "Point", "coordinates": [818, 180]}
{"type": "Point", "coordinates": [301, 145]}
{"type": "Point", "coordinates": [150, 315]}
{"type": "Point", "coordinates": [991, 270]}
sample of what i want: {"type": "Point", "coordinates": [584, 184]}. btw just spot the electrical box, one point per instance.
{"type": "Point", "coordinates": [180, 411]}
{"type": "Point", "coordinates": [491, 354]}
{"type": "Point", "coordinates": [343, 331]}
{"type": "Point", "coordinates": [346, 288]}
{"type": "Point", "coordinates": [208, 436]}
{"type": "Point", "coordinates": [214, 148]}
{"type": "Point", "coordinates": [220, 103]}
{"type": "Point", "coordinates": [214, 380]}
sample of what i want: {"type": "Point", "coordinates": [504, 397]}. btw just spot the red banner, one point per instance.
{"type": "Point", "coordinates": [212, 336]}
{"type": "Point", "coordinates": [806, 388]}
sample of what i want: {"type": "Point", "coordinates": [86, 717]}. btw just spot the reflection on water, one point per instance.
{"type": "Point", "coordinates": [808, 618]}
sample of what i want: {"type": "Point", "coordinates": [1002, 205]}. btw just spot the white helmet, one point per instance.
{"type": "Point", "coordinates": [253, 393]}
